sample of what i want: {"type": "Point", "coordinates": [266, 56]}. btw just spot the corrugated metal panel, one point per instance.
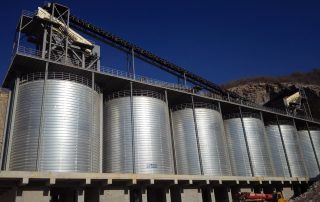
{"type": "Point", "coordinates": [277, 151]}
{"type": "Point", "coordinates": [69, 137]}
{"type": "Point", "coordinates": [315, 135]}
{"type": "Point", "coordinates": [212, 142]}
{"type": "Point", "coordinates": [239, 156]}
{"type": "Point", "coordinates": [26, 127]}
{"type": "Point", "coordinates": [185, 142]}
{"type": "Point", "coordinates": [290, 138]}
{"type": "Point", "coordinates": [308, 154]}
{"type": "Point", "coordinates": [117, 136]}
{"type": "Point", "coordinates": [211, 134]}
{"type": "Point", "coordinates": [152, 140]}
{"type": "Point", "coordinates": [258, 147]}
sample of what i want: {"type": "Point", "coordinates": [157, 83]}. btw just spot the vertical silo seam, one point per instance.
{"type": "Point", "coordinates": [91, 126]}
{"type": "Point", "coordinates": [173, 145]}
{"type": "Point", "coordinates": [268, 145]}
{"type": "Point", "coordinates": [95, 127]}
{"type": "Point", "coordinates": [197, 136]}
{"type": "Point", "coordinates": [171, 133]}
{"type": "Point", "coordinates": [225, 139]}
{"type": "Point", "coordinates": [313, 147]}
{"type": "Point", "coordinates": [132, 130]}
{"type": "Point", "coordinates": [12, 121]}
{"type": "Point", "coordinates": [300, 149]}
{"type": "Point", "coordinates": [315, 136]}
{"type": "Point", "coordinates": [101, 133]}
{"type": "Point", "coordinates": [41, 117]}
{"type": "Point", "coordinates": [95, 124]}
{"type": "Point", "coordinates": [284, 147]}
{"type": "Point", "coordinates": [246, 141]}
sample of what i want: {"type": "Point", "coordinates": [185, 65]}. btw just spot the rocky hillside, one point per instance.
{"type": "Point", "coordinates": [263, 89]}
{"type": "Point", "coordinates": [3, 110]}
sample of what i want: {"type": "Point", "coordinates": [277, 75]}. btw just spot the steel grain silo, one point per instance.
{"type": "Point", "coordinates": [278, 154]}
{"type": "Point", "coordinates": [201, 131]}
{"type": "Point", "coordinates": [315, 136]}
{"type": "Point", "coordinates": [247, 142]}
{"type": "Point", "coordinates": [307, 153]}
{"type": "Point", "coordinates": [137, 133]}
{"type": "Point", "coordinates": [185, 143]}
{"type": "Point", "coordinates": [57, 124]}
{"type": "Point", "coordinates": [290, 139]}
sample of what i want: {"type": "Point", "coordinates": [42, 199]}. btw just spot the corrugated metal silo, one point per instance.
{"type": "Point", "coordinates": [57, 124]}
{"type": "Point", "coordinates": [290, 139]}
{"type": "Point", "coordinates": [117, 136]}
{"type": "Point", "coordinates": [308, 154]}
{"type": "Point", "coordinates": [211, 140]}
{"type": "Point", "coordinates": [248, 144]}
{"type": "Point", "coordinates": [278, 154]}
{"type": "Point", "coordinates": [137, 138]}
{"type": "Point", "coordinates": [315, 136]}
{"type": "Point", "coordinates": [185, 142]}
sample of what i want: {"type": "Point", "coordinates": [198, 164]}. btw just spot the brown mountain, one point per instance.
{"type": "Point", "coordinates": [270, 91]}
{"type": "Point", "coordinates": [3, 110]}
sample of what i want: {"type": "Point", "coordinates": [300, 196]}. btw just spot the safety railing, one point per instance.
{"type": "Point", "coordinates": [32, 77]}
{"type": "Point", "coordinates": [143, 79]}
{"type": "Point", "coordinates": [28, 13]}
{"type": "Point", "coordinates": [56, 57]}
{"type": "Point", "coordinates": [29, 51]}
{"type": "Point", "coordinates": [195, 105]}
{"type": "Point", "coordinates": [58, 76]}
{"type": "Point", "coordinates": [136, 92]}
{"type": "Point", "coordinates": [243, 114]}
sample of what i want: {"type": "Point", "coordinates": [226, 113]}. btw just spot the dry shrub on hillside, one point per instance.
{"type": "Point", "coordinates": [312, 77]}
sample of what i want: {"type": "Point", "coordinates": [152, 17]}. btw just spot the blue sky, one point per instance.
{"type": "Point", "coordinates": [219, 40]}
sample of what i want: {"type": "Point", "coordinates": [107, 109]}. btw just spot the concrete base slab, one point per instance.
{"type": "Point", "coordinates": [287, 192]}
{"type": "Point", "coordinates": [36, 196]}
{"type": "Point", "coordinates": [115, 195]}
{"type": "Point", "coordinates": [191, 195]}
{"type": "Point", "coordinates": [245, 190]}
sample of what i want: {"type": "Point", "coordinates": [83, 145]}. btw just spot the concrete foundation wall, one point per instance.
{"type": "Point", "coordinates": [115, 195]}
{"type": "Point", "coordinates": [287, 192]}
{"type": "Point", "coordinates": [191, 195]}
{"type": "Point", "coordinates": [32, 195]}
